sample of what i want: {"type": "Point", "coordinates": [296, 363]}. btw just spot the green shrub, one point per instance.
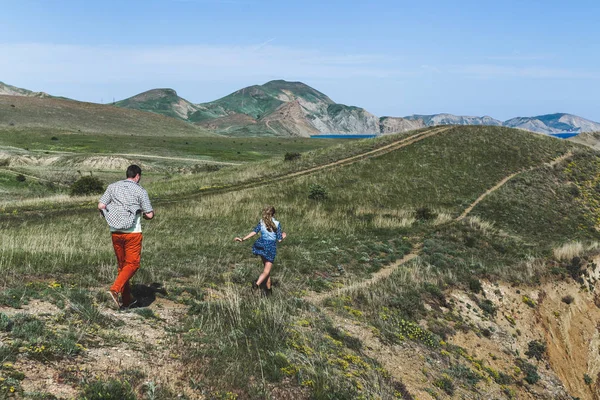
{"type": "Point", "coordinates": [465, 374]}
{"type": "Point", "coordinates": [475, 285]}
{"type": "Point", "coordinates": [536, 350]}
{"type": "Point", "coordinates": [575, 268]}
{"type": "Point", "coordinates": [5, 323]}
{"type": "Point", "coordinates": [488, 307]}
{"type": "Point", "coordinates": [112, 389]}
{"type": "Point", "coordinates": [87, 185]}
{"type": "Point", "coordinates": [587, 379]}
{"type": "Point", "coordinates": [424, 214]}
{"type": "Point", "coordinates": [317, 192]}
{"type": "Point", "coordinates": [568, 299]}
{"type": "Point", "coordinates": [445, 383]}
{"type": "Point", "coordinates": [291, 156]}
{"type": "Point", "coordinates": [530, 371]}
{"type": "Point", "coordinates": [206, 168]}
{"type": "Point", "coordinates": [21, 178]}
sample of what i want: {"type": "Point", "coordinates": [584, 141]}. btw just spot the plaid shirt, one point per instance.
{"type": "Point", "coordinates": [124, 199]}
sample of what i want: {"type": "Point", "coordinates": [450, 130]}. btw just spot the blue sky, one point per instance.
{"type": "Point", "coordinates": [504, 59]}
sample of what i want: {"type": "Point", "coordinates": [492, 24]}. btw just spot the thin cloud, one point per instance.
{"type": "Point", "coordinates": [490, 71]}
{"type": "Point", "coordinates": [260, 46]}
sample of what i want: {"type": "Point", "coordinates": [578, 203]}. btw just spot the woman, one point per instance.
{"type": "Point", "coordinates": [266, 246]}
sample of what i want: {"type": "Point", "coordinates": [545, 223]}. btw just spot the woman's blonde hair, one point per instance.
{"type": "Point", "coordinates": [267, 217]}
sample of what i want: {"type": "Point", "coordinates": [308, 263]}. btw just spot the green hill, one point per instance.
{"type": "Point", "coordinates": [258, 101]}
{"type": "Point", "coordinates": [21, 112]}
{"type": "Point", "coordinates": [160, 101]}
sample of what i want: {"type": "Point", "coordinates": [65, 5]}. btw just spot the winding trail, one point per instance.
{"type": "Point", "coordinates": [317, 298]}
{"type": "Point", "coordinates": [506, 179]}
{"type": "Point", "coordinates": [198, 160]}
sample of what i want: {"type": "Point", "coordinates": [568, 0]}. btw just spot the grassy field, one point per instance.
{"type": "Point", "coordinates": [52, 160]}
{"type": "Point", "coordinates": [227, 342]}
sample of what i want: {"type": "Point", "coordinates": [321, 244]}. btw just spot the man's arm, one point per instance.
{"type": "Point", "coordinates": [147, 210]}
{"type": "Point", "coordinates": [104, 200]}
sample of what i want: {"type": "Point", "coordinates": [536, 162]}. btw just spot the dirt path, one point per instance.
{"type": "Point", "coordinates": [317, 298]}
{"type": "Point", "coordinates": [176, 159]}
{"type": "Point", "coordinates": [269, 126]}
{"type": "Point", "coordinates": [506, 179]}
{"type": "Point", "coordinates": [347, 161]}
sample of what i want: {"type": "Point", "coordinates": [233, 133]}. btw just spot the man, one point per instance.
{"type": "Point", "coordinates": [122, 205]}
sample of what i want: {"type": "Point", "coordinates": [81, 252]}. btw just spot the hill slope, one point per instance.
{"type": "Point", "coordinates": [18, 112]}
{"type": "Point", "coordinates": [160, 101]}
{"type": "Point", "coordinates": [414, 302]}
{"type": "Point", "coordinates": [8, 90]}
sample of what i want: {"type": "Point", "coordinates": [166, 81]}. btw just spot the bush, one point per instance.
{"type": "Point", "coordinates": [530, 371]}
{"type": "Point", "coordinates": [291, 156]}
{"type": "Point", "coordinates": [587, 379]}
{"type": "Point", "coordinates": [53, 138]}
{"type": "Point", "coordinates": [20, 178]}
{"type": "Point", "coordinates": [568, 299]}
{"type": "Point", "coordinates": [206, 168]}
{"type": "Point", "coordinates": [475, 285]}
{"type": "Point", "coordinates": [107, 390]}
{"type": "Point", "coordinates": [424, 214]}
{"type": "Point", "coordinates": [445, 383]}
{"type": "Point", "coordinates": [575, 268]}
{"type": "Point", "coordinates": [536, 350]}
{"type": "Point", "coordinates": [488, 307]}
{"type": "Point", "coordinates": [317, 192]}
{"type": "Point", "coordinates": [87, 185]}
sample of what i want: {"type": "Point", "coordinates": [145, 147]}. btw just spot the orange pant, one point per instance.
{"type": "Point", "coordinates": [128, 248]}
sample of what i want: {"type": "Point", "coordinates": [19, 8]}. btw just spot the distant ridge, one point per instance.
{"type": "Point", "coordinates": [295, 109]}
{"type": "Point", "coordinates": [287, 108]}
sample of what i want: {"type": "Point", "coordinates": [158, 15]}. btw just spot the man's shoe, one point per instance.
{"type": "Point", "coordinates": [115, 296]}
{"type": "Point", "coordinates": [133, 304]}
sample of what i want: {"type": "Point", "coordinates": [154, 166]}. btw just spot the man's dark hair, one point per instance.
{"type": "Point", "coordinates": [133, 170]}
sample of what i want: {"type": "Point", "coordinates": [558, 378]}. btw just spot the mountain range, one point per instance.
{"type": "Point", "coordinates": [295, 109]}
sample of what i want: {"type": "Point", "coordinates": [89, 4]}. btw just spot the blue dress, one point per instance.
{"type": "Point", "coordinates": [266, 245]}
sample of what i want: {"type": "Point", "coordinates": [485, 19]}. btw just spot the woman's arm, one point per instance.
{"type": "Point", "coordinates": [280, 234]}
{"type": "Point", "coordinates": [248, 236]}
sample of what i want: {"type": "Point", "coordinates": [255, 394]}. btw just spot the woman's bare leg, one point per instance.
{"type": "Point", "coordinates": [265, 273]}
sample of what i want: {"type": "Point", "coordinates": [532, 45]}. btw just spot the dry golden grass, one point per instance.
{"type": "Point", "coordinates": [568, 250]}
